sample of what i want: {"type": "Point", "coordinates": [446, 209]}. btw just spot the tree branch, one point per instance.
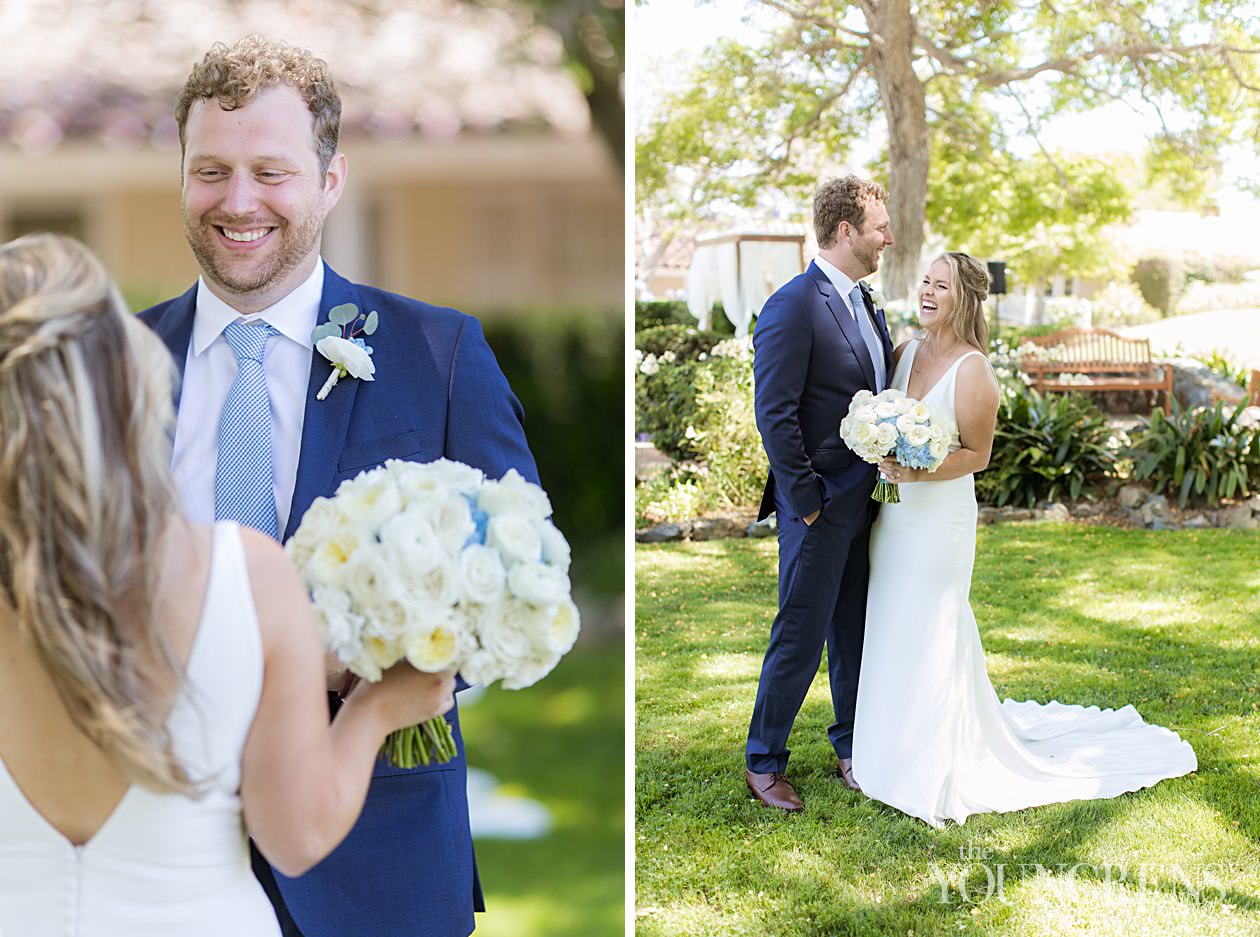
{"type": "Point", "coordinates": [810, 19]}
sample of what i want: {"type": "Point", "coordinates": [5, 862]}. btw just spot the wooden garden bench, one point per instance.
{"type": "Point", "coordinates": [1097, 361]}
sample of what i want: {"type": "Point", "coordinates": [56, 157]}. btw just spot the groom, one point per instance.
{"type": "Point", "coordinates": [258, 127]}
{"type": "Point", "coordinates": [818, 341]}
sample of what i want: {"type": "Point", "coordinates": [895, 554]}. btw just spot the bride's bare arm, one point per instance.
{"type": "Point", "coordinates": [303, 781]}
{"type": "Point", "coordinates": [975, 405]}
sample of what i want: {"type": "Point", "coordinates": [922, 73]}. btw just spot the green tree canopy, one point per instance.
{"type": "Point", "coordinates": [957, 90]}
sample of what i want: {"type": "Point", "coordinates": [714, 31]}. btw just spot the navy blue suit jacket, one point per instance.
{"type": "Point", "coordinates": [407, 866]}
{"type": "Point", "coordinates": [809, 360]}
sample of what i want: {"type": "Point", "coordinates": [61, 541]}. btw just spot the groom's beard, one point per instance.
{"type": "Point", "coordinates": [868, 256]}
{"type": "Point", "coordinates": [295, 245]}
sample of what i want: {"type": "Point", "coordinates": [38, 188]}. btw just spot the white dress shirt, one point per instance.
{"type": "Point", "coordinates": [840, 280]}
{"type": "Point", "coordinates": [209, 371]}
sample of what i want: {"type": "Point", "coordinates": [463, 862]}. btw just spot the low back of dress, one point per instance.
{"type": "Point", "coordinates": [162, 864]}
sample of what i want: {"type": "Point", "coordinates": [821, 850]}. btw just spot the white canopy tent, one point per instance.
{"type": "Point", "coordinates": [741, 271]}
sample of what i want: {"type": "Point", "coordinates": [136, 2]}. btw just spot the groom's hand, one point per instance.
{"type": "Point", "coordinates": [810, 518]}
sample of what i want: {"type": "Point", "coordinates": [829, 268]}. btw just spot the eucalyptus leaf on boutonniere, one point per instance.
{"type": "Point", "coordinates": [339, 340]}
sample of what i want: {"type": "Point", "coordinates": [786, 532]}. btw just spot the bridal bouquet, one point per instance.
{"type": "Point", "coordinates": [890, 423]}
{"type": "Point", "coordinates": [438, 565]}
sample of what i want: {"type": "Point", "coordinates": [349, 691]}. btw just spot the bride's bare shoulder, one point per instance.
{"type": "Point", "coordinates": [897, 352]}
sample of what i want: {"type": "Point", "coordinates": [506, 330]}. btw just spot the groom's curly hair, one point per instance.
{"type": "Point", "coordinates": [840, 200]}
{"type": "Point", "coordinates": [234, 75]}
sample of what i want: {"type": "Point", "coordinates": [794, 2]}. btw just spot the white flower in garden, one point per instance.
{"type": "Point", "coordinates": [668, 357]}
{"type": "Point", "coordinates": [512, 494]}
{"type": "Point", "coordinates": [650, 365]}
{"type": "Point", "coordinates": [555, 549]}
{"type": "Point", "coordinates": [482, 575]}
{"type": "Point", "coordinates": [515, 538]}
{"type": "Point", "coordinates": [886, 435]}
{"type": "Point", "coordinates": [538, 583]}
{"type": "Point", "coordinates": [563, 629]}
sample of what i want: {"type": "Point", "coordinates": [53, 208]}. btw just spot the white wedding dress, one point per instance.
{"type": "Point", "coordinates": [930, 736]}
{"type": "Point", "coordinates": [162, 864]}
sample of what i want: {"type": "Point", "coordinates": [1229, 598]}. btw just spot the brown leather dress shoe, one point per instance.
{"type": "Point", "coordinates": [773, 790]}
{"type": "Point", "coordinates": [844, 771]}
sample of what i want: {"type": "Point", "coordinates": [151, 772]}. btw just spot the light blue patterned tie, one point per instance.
{"type": "Point", "coordinates": [243, 478]}
{"type": "Point", "coordinates": [867, 328]}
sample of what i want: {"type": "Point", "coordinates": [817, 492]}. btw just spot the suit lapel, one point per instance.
{"type": "Point", "coordinates": [175, 327]}
{"type": "Point", "coordinates": [848, 326]}
{"type": "Point", "coordinates": [326, 421]}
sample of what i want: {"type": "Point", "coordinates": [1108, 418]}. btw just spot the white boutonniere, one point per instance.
{"type": "Point", "coordinates": [339, 340]}
{"type": "Point", "coordinates": [877, 298]}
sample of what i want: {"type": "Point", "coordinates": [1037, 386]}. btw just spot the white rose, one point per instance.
{"type": "Point", "coordinates": [905, 423]}
{"type": "Point", "coordinates": [328, 561]}
{"type": "Point", "coordinates": [512, 494]}
{"type": "Point", "coordinates": [456, 476]}
{"type": "Point", "coordinates": [920, 412]}
{"type": "Point", "coordinates": [529, 671]}
{"type": "Point", "coordinates": [917, 435]}
{"type": "Point", "coordinates": [507, 631]}
{"type": "Point", "coordinates": [319, 521]}
{"type": "Point", "coordinates": [862, 396]}
{"type": "Point", "coordinates": [515, 538]}
{"type": "Point", "coordinates": [436, 587]}
{"type": "Point", "coordinates": [370, 578]}
{"type": "Point", "coordinates": [555, 549]}
{"type": "Point", "coordinates": [890, 394]}
{"type": "Point", "coordinates": [340, 626]}
{"type": "Point", "coordinates": [411, 542]}
{"type": "Point", "coordinates": [378, 654]}
{"type": "Point", "coordinates": [866, 433]}
{"type": "Point", "coordinates": [353, 358]}
{"type": "Point", "coordinates": [885, 410]}
{"type": "Point", "coordinates": [388, 621]}
{"type": "Point", "coordinates": [432, 649]}
{"type": "Point", "coordinates": [538, 584]}
{"type": "Point", "coordinates": [886, 434]}
{"type": "Point", "coordinates": [482, 667]}
{"type": "Point", "coordinates": [482, 575]}
{"type": "Point", "coordinates": [564, 628]}
{"type": "Point", "coordinates": [867, 414]}
{"type": "Point", "coordinates": [370, 499]}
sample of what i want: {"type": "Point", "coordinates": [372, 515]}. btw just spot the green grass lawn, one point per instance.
{"type": "Point", "coordinates": [561, 742]}
{"type": "Point", "coordinates": [1168, 621]}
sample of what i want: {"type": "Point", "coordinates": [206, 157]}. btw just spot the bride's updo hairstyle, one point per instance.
{"type": "Point", "coordinates": [85, 495]}
{"type": "Point", "coordinates": [969, 284]}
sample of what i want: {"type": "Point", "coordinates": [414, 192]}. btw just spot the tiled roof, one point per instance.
{"type": "Point", "coordinates": [111, 70]}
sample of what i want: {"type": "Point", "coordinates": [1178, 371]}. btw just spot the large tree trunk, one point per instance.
{"type": "Point", "coordinates": [905, 107]}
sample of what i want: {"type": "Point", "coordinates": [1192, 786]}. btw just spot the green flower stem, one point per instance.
{"type": "Point", "coordinates": [424, 744]}
{"type": "Point", "coordinates": [886, 492]}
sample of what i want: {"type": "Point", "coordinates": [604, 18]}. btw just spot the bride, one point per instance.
{"type": "Point", "coordinates": [930, 736]}
{"type": "Point", "coordinates": [165, 681]}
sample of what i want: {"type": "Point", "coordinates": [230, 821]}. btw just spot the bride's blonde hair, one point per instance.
{"type": "Point", "coordinates": [85, 497]}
